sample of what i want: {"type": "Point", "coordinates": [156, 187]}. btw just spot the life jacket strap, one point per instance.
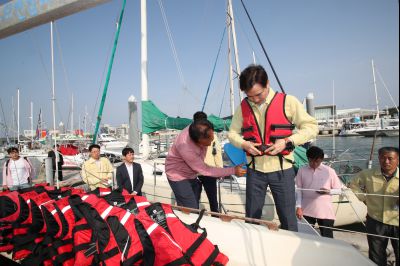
{"type": "Point", "coordinates": [81, 227]}
{"type": "Point", "coordinates": [59, 243]}
{"type": "Point", "coordinates": [247, 129]}
{"type": "Point", "coordinates": [196, 225]}
{"type": "Point", "coordinates": [211, 259]}
{"type": "Point", "coordinates": [60, 259]}
{"type": "Point", "coordinates": [178, 262]}
{"type": "Point", "coordinates": [132, 260]}
{"type": "Point", "coordinates": [83, 246]}
{"type": "Point", "coordinates": [196, 244]}
{"type": "Point", "coordinates": [106, 255]}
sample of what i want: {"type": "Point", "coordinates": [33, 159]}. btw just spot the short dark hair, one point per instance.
{"type": "Point", "coordinates": [199, 115]}
{"type": "Point", "coordinates": [388, 149]}
{"type": "Point", "coordinates": [127, 150]}
{"type": "Point", "coordinates": [251, 75]}
{"type": "Point", "coordinates": [315, 152]}
{"type": "Point", "coordinates": [199, 129]}
{"type": "Point", "coordinates": [11, 149]}
{"type": "Point", "coordinates": [92, 146]}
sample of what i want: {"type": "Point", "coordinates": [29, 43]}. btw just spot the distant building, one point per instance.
{"type": "Point", "coordinates": [363, 114]}
{"type": "Point", "coordinates": [324, 112]}
{"type": "Point", "coordinates": [327, 112]}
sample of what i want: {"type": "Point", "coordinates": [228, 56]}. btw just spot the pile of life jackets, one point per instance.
{"type": "Point", "coordinates": [43, 225]}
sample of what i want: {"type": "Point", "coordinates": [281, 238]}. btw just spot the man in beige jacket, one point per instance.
{"type": "Point", "coordinates": [97, 171]}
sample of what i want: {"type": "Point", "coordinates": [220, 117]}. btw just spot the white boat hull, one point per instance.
{"type": "Point", "coordinates": [249, 244]}
{"type": "Point", "coordinates": [348, 208]}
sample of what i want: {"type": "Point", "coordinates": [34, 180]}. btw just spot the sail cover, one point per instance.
{"type": "Point", "coordinates": [153, 119]}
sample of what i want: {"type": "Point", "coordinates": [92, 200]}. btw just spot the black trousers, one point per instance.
{"type": "Point", "coordinates": [326, 232]}
{"type": "Point", "coordinates": [60, 174]}
{"type": "Point", "coordinates": [377, 245]}
{"type": "Point", "coordinates": [210, 186]}
{"type": "Point", "coordinates": [187, 192]}
{"type": "Point", "coordinates": [281, 184]}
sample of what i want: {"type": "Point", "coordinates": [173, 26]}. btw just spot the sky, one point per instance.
{"type": "Point", "coordinates": [324, 47]}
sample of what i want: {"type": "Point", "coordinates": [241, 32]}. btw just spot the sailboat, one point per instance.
{"type": "Point", "coordinates": [382, 127]}
{"type": "Point", "coordinates": [244, 243]}
{"type": "Point", "coordinates": [251, 244]}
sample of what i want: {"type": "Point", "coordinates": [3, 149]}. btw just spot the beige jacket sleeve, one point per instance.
{"type": "Point", "coordinates": [357, 185]}
{"type": "Point", "coordinates": [306, 125]}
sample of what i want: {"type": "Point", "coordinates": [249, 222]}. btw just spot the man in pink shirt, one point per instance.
{"type": "Point", "coordinates": [315, 185]}
{"type": "Point", "coordinates": [185, 161]}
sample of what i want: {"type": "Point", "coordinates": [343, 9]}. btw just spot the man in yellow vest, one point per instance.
{"type": "Point", "coordinates": [379, 189]}
{"type": "Point", "coordinates": [97, 171]}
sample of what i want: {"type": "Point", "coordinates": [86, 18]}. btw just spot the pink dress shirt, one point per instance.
{"type": "Point", "coordinates": [185, 160]}
{"type": "Point", "coordinates": [314, 204]}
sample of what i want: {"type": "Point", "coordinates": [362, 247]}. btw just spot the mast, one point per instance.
{"type": "Point", "coordinates": [72, 114]}
{"type": "Point", "coordinates": [54, 103]}
{"type": "Point", "coordinates": [334, 120]}
{"type": "Point", "coordinates": [376, 91]}
{"type": "Point", "coordinates": [232, 25]}
{"type": "Point", "coordinates": [85, 119]}
{"type": "Point", "coordinates": [232, 94]}
{"type": "Point", "coordinates": [13, 117]}
{"type": "Point", "coordinates": [31, 122]}
{"type": "Point", "coordinates": [144, 87]}
{"type": "Point", "coordinates": [103, 99]}
{"type": "Point", "coordinates": [18, 116]}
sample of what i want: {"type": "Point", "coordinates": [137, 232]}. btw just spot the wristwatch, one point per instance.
{"type": "Point", "coordinates": [289, 144]}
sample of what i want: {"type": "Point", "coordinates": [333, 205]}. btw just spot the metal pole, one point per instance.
{"type": "Point", "coordinates": [54, 103]}
{"type": "Point", "coordinates": [144, 86]}
{"type": "Point", "coordinates": [18, 115]}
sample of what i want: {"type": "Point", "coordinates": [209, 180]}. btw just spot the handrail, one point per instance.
{"type": "Point", "coordinates": [228, 218]}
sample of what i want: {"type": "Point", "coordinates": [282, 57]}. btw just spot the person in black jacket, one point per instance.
{"type": "Point", "coordinates": [130, 174]}
{"type": "Point", "coordinates": [52, 155]}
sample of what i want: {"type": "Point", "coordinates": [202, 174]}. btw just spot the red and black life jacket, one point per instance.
{"type": "Point", "coordinates": [277, 125]}
{"type": "Point", "coordinates": [27, 237]}
{"type": "Point", "coordinates": [13, 208]}
{"type": "Point", "coordinates": [96, 241]}
{"type": "Point", "coordinates": [16, 215]}
{"type": "Point", "coordinates": [56, 246]}
{"type": "Point", "coordinates": [185, 246]}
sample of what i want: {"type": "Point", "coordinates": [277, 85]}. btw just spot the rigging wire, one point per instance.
{"type": "Point", "coordinates": [174, 52]}
{"type": "Point", "coordinates": [171, 42]}
{"type": "Point", "coordinates": [67, 84]}
{"type": "Point", "coordinates": [223, 96]}
{"type": "Point", "coordinates": [213, 71]}
{"type": "Point", "coordinates": [262, 46]}
{"type": "Point", "coordinates": [384, 85]}
{"type": "Point", "coordinates": [5, 123]}
{"type": "Point", "coordinates": [104, 69]}
{"type": "Point", "coordinates": [36, 46]}
{"type": "Point", "coordinates": [245, 34]}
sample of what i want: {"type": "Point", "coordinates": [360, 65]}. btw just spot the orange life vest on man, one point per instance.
{"type": "Point", "coordinates": [277, 125]}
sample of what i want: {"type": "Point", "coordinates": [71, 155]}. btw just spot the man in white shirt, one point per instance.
{"type": "Point", "coordinates": [17, 171]}
{"type": "Point", "coordinates": [130, 174]}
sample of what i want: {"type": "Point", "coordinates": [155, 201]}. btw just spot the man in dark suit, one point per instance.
{"type": "Point", "coordinates": [130, 174]}
{"type": "Point", "coordinates": [60, 163]}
